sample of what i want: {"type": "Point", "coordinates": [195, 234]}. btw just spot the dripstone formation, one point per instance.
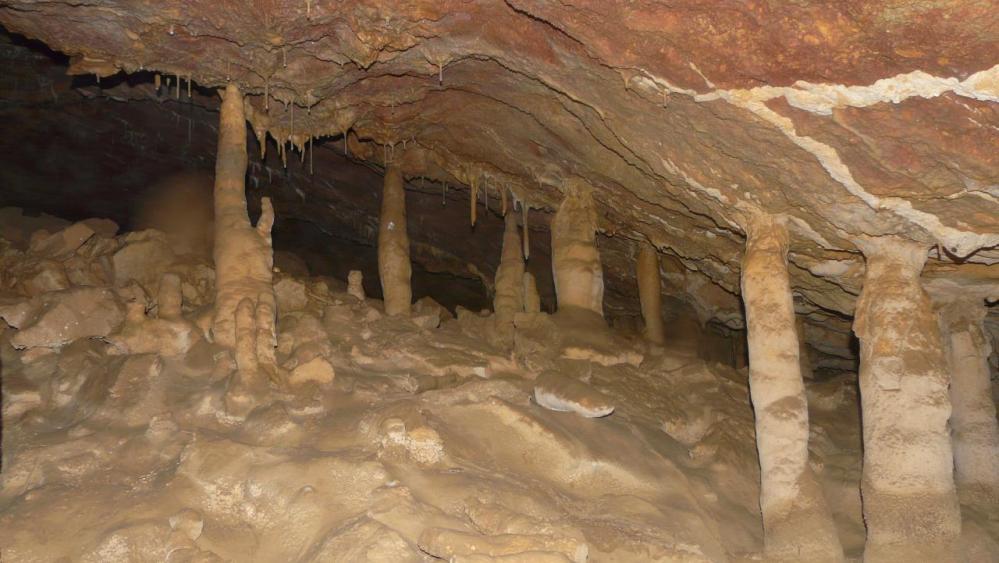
{"type": "Point", "coordinates": [527, 281]}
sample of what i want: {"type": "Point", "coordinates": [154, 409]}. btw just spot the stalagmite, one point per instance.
{"type": "Point", "coordinates": [532, 301]}
{"type": "Point", "coordinates": [797, 523]}
{"type": "Point", "coordinates": [974, 430]}
{"type": "Point", "coordinates": [910, 503]}
{"type": "Point", "coordinates": [169, 298]}
{"type": "Point", "coordinates": [579, 280]}
{"type": "Point", "coordinates": [394, 267]}
{"type": "Point", "coordinates": [650, 292]}
{"type": "Point", "coordinates": [243, 254]}
{"type": "Point", "coordinates": [355, 284]}
{"type": "Point", "coordinates": [509, 299]}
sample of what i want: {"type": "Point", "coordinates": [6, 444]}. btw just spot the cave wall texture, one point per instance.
{"type": "Point", "coordinates": [853, 119]}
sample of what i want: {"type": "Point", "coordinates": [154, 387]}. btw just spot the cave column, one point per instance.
{"type": "Point", "coordinates": [244, 261]}
{"type": "Point", "coordinates": [579, 280]}
{"type": "Point", "coordinates": [650, 292]}
{"type": "Point", "coordinates": [797, 523]}
{"type": "Point", "coordinates": [509, 299]}
{"type": "Point", "coordinates": [910, 504]}
{"type": "Point", "coordinates": [974, 431]}
{"type": "Point", "coordinates": [394, 267]}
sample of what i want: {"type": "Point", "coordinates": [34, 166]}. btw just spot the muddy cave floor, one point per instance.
{"type": "Point", "coordinates": [394, 440]}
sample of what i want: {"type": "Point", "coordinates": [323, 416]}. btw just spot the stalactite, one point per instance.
{"type": "Point", "coordinates": [157, 82]}
{"type": "Point", "coordinates": [797, 523]}
{"type": "Point", "coordinates": [474, 196]}
{"type": "Point", "coordinates": [189, 87]}
{"type": "Point", "coordinates": [910, 501]}
{"type": "Point", "coordinates": [312, 149]}
{"type": "Point", "coordinates": [178, 87]}
{"type": "Point", "coordinates": [503, 200]}
{"type": "Point", "coordinates": [267, 95]}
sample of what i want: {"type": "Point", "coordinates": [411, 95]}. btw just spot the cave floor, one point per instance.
{"type": "Point", "coordinates": [427, 442]}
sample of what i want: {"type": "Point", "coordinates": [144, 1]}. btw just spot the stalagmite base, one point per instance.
{"type": "Point", "coordinates": [974, 429]}
{"type": "Point", "coordinates": [579, 281]}
{"type": "Point", "coordinates": [650, 292]}
{"type": "Point", "coordinates": [394, 267]}
{"type": "Point", "coordinates": [243, 255]}
{"type": "Point", "coordinates": [509, 298]}
{"type": "Point", "coordinates": [797, 522]}
{"type": "Point", "coordinates": [910, 504]}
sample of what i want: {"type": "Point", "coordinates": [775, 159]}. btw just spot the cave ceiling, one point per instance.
{"type": "Point", "coordinates": [853, 119]}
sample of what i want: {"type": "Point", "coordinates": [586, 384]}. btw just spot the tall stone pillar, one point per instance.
{"type": "Point", "coordinates": [910, 504]}
{"type": "Point", "coordinates": [579, 279]}
{"type": "Point", "coordinates": [245, 307]}
{"type": "Point", "coordinates": [243, 255]}
{"type": "Point", "coordinates": [509, 299]}
{"type": "Point", "coordinates": [650, 292]}
{"type": "Point", "coordinates": [974, 431]}
{"type": "Point", "coordinates": [394, 267]}
{"type": "Point", "coordinates": [797, 523]}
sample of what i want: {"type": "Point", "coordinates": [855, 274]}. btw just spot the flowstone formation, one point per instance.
{"type": "Point", "coordinates": [529, 281]}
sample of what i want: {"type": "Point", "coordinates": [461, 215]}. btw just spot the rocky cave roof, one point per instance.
{"type": "Point", "coordinates": [853, 119]}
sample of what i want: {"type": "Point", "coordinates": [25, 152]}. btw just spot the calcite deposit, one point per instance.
{"type": "Point", "coordinates": [520, 281]}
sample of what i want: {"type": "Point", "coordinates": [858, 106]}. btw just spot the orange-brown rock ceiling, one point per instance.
{"type": "Point", "coordinates": [853, 118]}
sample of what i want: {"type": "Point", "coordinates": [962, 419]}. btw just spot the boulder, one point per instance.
{"type": "Point", "coordinates": [291, 295]}
{"type": "Point", "coordinates": [145, 257]}
{"type": "Point", "coordinates": [68, 315]}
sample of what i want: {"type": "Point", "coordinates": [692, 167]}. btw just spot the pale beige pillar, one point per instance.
{"type": "Point", "coordinates": [910, 503]}
{"type": "Point", "coordinates": [394, 267]}
{"type": "Point", "coordinates": [650, 292]}
{"type": "Point", "coordinates": [797, 523]}
{"type": "Point", "coordinates": [579, 280]}
{"type": "Point", "coordinates": [974, 431]}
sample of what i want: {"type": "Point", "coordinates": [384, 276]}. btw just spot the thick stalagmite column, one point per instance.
{"type": "Point", "coordinates": [974, 429]}
{"type": "Point", "coordinates": [650, 292]}
{"type": "Point", "coordinates": [243, 255]}
{"type": "Point", "coordinates": [797, 523]}
{"type": "Point", "coordinates": [509, 298]}
{"type": "Point", "coordinates": [394, 267]}
{"type": "Point", "coordinates": [579, 279]}
{"type": "Point", "coordinates": [910, 503]}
